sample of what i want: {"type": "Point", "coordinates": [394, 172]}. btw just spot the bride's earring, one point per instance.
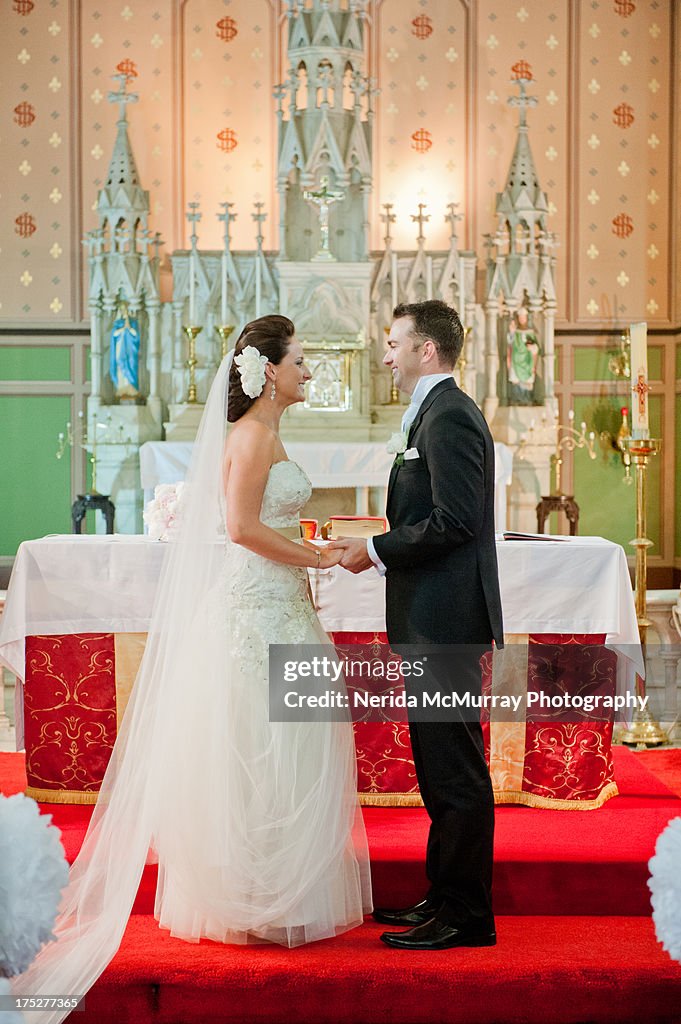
{"type": "Point", "coordinates": [273, 391]}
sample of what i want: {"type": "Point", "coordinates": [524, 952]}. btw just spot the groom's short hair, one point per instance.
{"type": "Point", "coordinates": [436, 320]}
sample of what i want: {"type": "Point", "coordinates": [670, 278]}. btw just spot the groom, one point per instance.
{"type": "Point", "coordinates": [442, 587]}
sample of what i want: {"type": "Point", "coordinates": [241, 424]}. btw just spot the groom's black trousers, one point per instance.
{"type": "Point", "coordinates": [457, 793]}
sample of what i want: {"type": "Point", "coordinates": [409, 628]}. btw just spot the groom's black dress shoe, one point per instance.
{"type": "Point", "coordinates": [418, 914]}
{"type": "Point", "coordinates": [437, 935]}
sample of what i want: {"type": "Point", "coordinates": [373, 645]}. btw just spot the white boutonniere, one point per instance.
{"type": "Point", "coordinates": [397, 445]}
{"type": "Point", "coordinates": [252, 371]}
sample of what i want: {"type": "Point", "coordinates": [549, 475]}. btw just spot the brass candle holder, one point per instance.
{"type": "Point", "coordinates": [192, 333]}
{"type": "Point", "coordinates": [87, 441]}
{"type": "Point", "coordinates": [85, 437]}
{"type": "Point", "coordinates": [225, 331]}
{"type": "Point", "coordinates": [645, 731]}
{"type": "Point", "coordinates": [569, 439]}
{"type": "Point", "coordinates": [394, 390]}
{"type": "Point", "coordinates": [462, 362]}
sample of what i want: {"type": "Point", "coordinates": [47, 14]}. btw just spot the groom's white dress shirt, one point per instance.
{"type": "Point", "coordinates": [424, 386]}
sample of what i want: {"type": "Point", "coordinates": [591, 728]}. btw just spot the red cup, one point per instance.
{"type": "Point", "coordinates": [309, 528]}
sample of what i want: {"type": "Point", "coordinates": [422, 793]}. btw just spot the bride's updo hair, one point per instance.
{"type": "Point", "coordinates": [271, 335]}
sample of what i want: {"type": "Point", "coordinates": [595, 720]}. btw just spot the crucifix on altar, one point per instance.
{"type": "Point", "coordinates": [324, 198]}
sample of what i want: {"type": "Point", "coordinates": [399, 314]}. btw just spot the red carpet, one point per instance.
{"type": "Point", "coordinates": [576, 942]}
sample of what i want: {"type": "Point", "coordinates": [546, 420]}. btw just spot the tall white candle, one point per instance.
{"type": "Point", "coordinates": [192, 290]}
{"type": "Point", "coordinates": [224, 282]}
{"type": "Point", "coordinates": [429, 277]}
{"type": "Point", "coordinates": [462, 290]}
{"type": "Point", "coordinates": [639, 380]}
{"type": "Point", "coordinates": [258, 284]}
{"type": "Point", "coordinates": [393, 278]}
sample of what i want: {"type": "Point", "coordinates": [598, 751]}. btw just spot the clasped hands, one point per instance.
{"type": "Point", "coordinates": [349, 552]}
{"type": "Point", "coordinates": [352, 553]}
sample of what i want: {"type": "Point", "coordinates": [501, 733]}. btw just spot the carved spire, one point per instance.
{"type": "Point", "coordinates": [122, 197]}
{"type": "Point", "coordinates": [523, 194]}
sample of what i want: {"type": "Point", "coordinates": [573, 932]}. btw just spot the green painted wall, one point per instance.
{"type": "Point", "coordinates": [607, 504]}
{"type": "Point", "coordinates": [592, 364]}
{"type": "Point", "coordinates": [35, 496]}
{"type": "Point", "coordinates": [35, 362]}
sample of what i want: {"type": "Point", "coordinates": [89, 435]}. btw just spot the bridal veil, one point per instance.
{"type": "Point", "coordinates": [190, 786]}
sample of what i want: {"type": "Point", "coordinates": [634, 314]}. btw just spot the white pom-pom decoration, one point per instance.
{"type": "Point", "coordinates": [665, 886]}
{"type": "Point", "coordinates": [9, 1016]}
{"type": "Point", "coordinates": [33, 872]}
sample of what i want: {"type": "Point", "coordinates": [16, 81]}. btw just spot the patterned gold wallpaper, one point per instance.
{"type": "Point", "coordinates": [204, 129]}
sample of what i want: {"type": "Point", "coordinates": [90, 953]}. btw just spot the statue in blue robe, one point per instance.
{"type": "Point", "coordinates": [125, 354]}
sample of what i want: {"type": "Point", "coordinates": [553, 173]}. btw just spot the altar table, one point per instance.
{"type": "Point", "coordinates": [78, 610]}
{"type": "Point", "coordinates": [357, 464]}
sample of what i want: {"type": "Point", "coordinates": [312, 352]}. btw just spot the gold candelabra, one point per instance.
{"type": "Point", "coordinates": [569, 439]}
{"type": "Point", "coordinates": [645, 731]}
{"type": "Point", "coordinates": [85, 437]}
{"type": "Point", "coordinates": [619, 361]}
{"type": "Point", "coordinates": [191, 363]}
{"type": "Point", "coordinates": [225, 331]}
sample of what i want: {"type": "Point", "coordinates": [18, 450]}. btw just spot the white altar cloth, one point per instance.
{"type": "Point", "coordinates": [356, 464]}
{"type": "Point", "coordinates": [106, 584]}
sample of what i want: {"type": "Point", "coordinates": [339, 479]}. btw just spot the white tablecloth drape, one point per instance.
{"type": "Point", "coordinates": [92, 584]}
{"type": "Point", "coordinates": [332, 464]}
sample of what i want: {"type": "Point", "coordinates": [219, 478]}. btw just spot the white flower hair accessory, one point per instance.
{"type": "Point", "coordinates": [251, 366]}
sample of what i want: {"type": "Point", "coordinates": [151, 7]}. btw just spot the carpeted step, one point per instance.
{"type": "Point", "coordinates": [547, 862]}
{"type": "Point", "coordinates": [544, 970]}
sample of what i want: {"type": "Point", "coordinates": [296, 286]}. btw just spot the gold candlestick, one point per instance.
{"type": "Point", "coordinates": [462, 362]}
{"type": "Point", "coordinates": [191, 364]}
{"type": "Point", "coordinates": [394, 391]}
{"type": "Point", "coordinates": [645, 731]}
{"type": "Point", "coordinates": [225, 330]}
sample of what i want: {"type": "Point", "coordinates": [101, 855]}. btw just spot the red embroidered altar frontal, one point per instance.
{"type": "Point", "coordinates": [69, 715]}
{"type": "Point", "coordinates": [563, 765]}
{"type": "Point", "coordinates": [77, 687]}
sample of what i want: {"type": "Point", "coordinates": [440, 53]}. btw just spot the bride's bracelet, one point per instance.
{"type": "Point", "coordinates": [319, 558]}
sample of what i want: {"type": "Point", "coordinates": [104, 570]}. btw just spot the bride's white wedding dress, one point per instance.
{"type": "Point", "coordinates": [276, 849]}
{"type": "Point", "coordinates": [255, 825]}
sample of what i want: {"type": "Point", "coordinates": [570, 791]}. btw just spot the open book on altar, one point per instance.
{"type": "Point", "coordinates": [511, 535]}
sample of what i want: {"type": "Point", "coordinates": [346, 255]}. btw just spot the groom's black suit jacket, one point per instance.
{"type": "Point", "coordinates": [442, 584]}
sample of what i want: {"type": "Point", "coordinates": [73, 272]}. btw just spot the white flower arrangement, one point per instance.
{"type": "Point", "coordinates": [33, 872]}
{"type": "Point", "coordinates": [162, 514]}
{"type": "Point", "coordinates": [251, 367]}
{"type": "Point", "coordinates": [665, 886]}
{"type": "Point", "coordinates": [397, 446]}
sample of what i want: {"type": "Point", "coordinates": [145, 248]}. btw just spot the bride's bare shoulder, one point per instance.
{"type": "Point", "coordinates": [250, 440]}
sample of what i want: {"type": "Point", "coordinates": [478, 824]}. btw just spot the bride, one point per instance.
{"type": "Point", "coordinates": [255, 825]}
